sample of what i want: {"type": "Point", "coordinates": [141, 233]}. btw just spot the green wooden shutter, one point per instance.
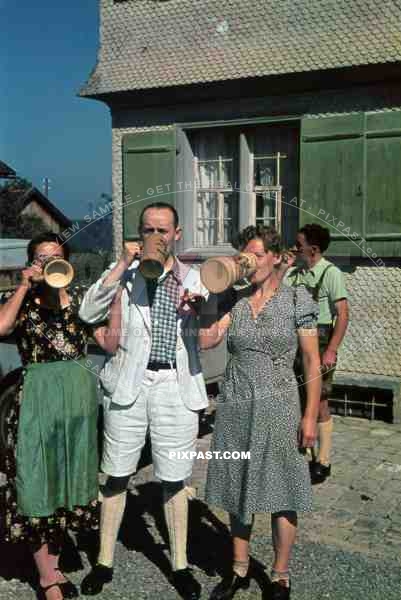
{"type": "Point", "coordinates": [149, 174]}
{"type": "Point", "coordinates": [332, 171]}
{"type": "Point", "coordinates": [383, 156]}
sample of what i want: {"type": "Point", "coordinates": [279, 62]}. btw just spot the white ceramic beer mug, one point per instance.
{"type": "Point", "coordinates": [57, 272]}
{"type": "Point", "coordinates": [220, 273]}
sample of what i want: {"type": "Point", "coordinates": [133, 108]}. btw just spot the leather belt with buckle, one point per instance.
{"type": "Point", "coordinates": [157, 366]}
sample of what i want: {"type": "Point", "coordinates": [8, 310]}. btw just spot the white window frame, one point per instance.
{"type": "Point", "coordinates": [220, 191]}
{"type": "Point", "coordinates": [275, 189]}
{"type": "Point", "coordinates": [246, 195]}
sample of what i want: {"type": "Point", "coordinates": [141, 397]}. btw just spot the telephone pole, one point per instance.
{"type": "Point", "coordinates": [46, 186]}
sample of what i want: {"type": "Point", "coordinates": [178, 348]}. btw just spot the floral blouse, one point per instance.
{"type": "Point", "coordinates": [45, 334]}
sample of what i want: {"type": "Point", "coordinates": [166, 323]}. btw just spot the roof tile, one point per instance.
{"type": "Point", "coordinates": [149, 43]}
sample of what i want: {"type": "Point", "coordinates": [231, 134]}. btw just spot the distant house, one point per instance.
{"type": "Point", "coordinates": [18, 201]}
{"type": "Point", "coordinates": [6, 172]}
{"type": "Point", "coordinates": [12, 260]}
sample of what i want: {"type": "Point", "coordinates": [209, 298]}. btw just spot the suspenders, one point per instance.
{"type": "Point", "coordinates": [314, 290]}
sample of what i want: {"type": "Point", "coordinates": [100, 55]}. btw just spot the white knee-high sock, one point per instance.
{"type": "Point", "coordinates": [111, 515]}
{"type": "Point", "coordinates": [176, 514]}
{"type": "Point", "coordinates": [325, 437]}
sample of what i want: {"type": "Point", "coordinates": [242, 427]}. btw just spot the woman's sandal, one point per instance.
{"type": "Point", "coordinates": [68, 589]}
{"type": "Point", "coordinates": [42, 590]}
{"type": "Point", "coordinates": [280, 588]}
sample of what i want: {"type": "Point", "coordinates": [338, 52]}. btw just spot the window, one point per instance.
{"type": "Point", "coordinates": [215, 174]}
{"type": "Point", "coordinates": [242, 171]}
{"type": "Point", "coordinates": [215, 200]}
{"type": "Point", "coordinates": [267, 189]}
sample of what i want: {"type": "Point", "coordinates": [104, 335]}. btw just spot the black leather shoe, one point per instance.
{"type": "Point", "coordinates": [319, 472]}
{"type": "Point", "coordinates": [186, 584]}
{"type": "Point", "coordinates": [93, 583]}
{"type": "Point", "coordinates": [226, 589]}
{"type": "Point", "coordinates": [280, 591]}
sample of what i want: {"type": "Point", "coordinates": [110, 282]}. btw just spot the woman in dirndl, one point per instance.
{"type": "Point", "coordinates": [51, 464]}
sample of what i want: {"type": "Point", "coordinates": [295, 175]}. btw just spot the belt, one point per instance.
{"type": "Point", "coordinates": [157, 366]}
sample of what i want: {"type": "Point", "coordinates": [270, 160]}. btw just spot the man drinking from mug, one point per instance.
{"type": "Point", "coordinates": [154, 381]}
{"type": "Point", "coordinates": [326, 284]}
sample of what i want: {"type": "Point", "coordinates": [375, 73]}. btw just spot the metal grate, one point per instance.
{"type": "Point", "coordinates": [369, 403]}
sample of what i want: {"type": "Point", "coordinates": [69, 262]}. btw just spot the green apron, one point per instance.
{"type": "Point", "coordinates": [57, 456]}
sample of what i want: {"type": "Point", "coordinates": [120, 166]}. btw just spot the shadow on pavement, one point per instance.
{"type": "Point", "coordinates": [209, 542]}
{"type": "Point", "coordinates": [17, 563]}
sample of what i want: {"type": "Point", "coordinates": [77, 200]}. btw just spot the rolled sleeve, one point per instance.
{"type": "Point", "coordinates": [97, 300]}
{"type": "Point", "coordinates": [336, 285]}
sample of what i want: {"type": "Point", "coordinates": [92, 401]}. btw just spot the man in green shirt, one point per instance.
{"type": "Point", "coordinates": [326, 284]}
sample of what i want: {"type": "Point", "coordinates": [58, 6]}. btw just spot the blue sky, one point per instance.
{"type": "Point", "coordinates": [47, 51]}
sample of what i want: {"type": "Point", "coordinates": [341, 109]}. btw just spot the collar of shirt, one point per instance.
{"type": "Point", "coordinates": [318, 268]}
{"type": "Point", "coordinates": [174, 272]}
{"type": "Point", "coordinates": [315, 271]}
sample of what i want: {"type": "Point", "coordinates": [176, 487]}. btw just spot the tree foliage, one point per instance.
{"type": "Point", "coordinates": [96, 228]}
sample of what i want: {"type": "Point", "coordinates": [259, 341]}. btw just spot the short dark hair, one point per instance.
{"type": "Point", "coordinates": [316, 235]}
{"type": "Point", "coordinates": [158, 205]}
{"type": "Point", "coordinates": [47, 236]}
{"type": "Point", "coordinates": [269, 236]}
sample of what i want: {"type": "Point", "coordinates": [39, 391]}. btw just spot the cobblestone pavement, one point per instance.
{"type": "Point", "coordinates": [348, 548]}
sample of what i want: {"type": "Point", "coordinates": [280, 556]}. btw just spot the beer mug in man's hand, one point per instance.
{"type": "Point", "coordinates": [154, 256]}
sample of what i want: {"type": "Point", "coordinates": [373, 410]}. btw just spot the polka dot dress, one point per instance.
{"type": "Point", "coordinates": [258, 411]}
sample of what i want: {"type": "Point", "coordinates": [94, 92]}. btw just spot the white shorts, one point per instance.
{"type": "Point", "coordinates": [172, 426]}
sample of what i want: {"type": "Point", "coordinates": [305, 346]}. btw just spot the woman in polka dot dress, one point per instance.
{"type": "Point", "coordinates": [259, 412]}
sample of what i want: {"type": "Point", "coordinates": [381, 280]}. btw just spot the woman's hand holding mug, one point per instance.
{"type": "Point", "coordinates": [32, 274]}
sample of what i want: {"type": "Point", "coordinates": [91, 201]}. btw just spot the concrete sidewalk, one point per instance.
{"type": "Point", "coordinates": [348, 549]}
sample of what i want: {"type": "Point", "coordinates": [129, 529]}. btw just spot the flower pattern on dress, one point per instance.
{"type": "Point", "coordinates": [45, 335]}
{"type": "Point", "coordinates": [42, 335]}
